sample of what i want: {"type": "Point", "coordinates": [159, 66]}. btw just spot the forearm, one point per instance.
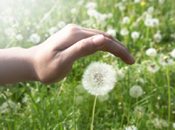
{"type": "Point", "coordinates": [16, 65]}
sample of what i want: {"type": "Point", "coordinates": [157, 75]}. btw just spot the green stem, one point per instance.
{"type": "Point", "coordinates": [169, 96]}
{"type": "Point", "coordinates": [92, 120]}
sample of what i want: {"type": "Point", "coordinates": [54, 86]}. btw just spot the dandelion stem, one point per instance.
{"type": "Point", "coordinates": [169, 97]}
{"type": "Point", "coordinates": [93, 111]}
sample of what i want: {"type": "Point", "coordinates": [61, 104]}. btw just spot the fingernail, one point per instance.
{"type": "Point", "coordinates": [132, 59]}
{"type": "Point", "coordinates": [99, 40]}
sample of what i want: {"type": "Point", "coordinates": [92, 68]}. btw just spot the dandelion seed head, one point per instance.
{"type": "Point", "coordinates": [19, 37]}
{"type": "Point", "coordinates": [165, 60]}
{"type": "Point", "coordinates": [112, 32]}
{"type": "Point", "coordinates": [131, 128]}
{"type": "Point", "coordinates": [91, 5]}
{"type": "Point", "coordinates": [151, 52]}
{"type": "Point", "coordinates": [34, 38]}
{"type": "Point", "coordinates": [135, 35]}
{"type": "Point", "coordinates": [153, 68]}
{"type": "Point", "coordinates": [136, 91]}
{"type": "Point", "coordinates": [157, 37]}
{"type": "Point", "coordinates": [124, 32]}
{"type": "Point", "coordinates": [61, 24]}
{"type": "Point", "coordinates": [126, 20]}
{"type": "Point", "coordinates": [52, 30]}
{"type": "Point", "coordinates": [99, 78]}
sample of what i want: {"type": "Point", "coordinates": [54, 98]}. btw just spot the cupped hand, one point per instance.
{"type": "Point", "coordinates": [54, 58]}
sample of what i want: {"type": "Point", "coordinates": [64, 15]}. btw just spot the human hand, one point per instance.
{"type": "Point", "coordinates": [53, 59]}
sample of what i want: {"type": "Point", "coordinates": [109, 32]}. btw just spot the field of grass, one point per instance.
{"type": "Point", "coordinates": [144, 95]}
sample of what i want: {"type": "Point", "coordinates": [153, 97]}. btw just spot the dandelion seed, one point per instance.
{"type": "Point", "coordinates": [165, 60]}
{"type": "Point", "coordinates": [131, 128]}
{"type": "Point", "coordinates": [136, 91]}
{"type": "Point", "coordinates": [157, 37]}
{"type": "Point", "coordinates": [135, 35]}
{"type": "Point", "coordinates": [173, 53]}
{"type": "Point", "coordinates": [124, 32]}
{"type": "Point", "coordinates": [151, 52]}
{"type": "Point", "coordinates": [52, 30]}
{"type": "Point", "coordinates": [99, 78]}
{"type": "Point", "coordinates": [34, 38]}
{"type": "Point", "coordinates": [153, 68]}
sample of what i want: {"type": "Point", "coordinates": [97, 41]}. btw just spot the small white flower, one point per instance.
{"type": "Point", "coordinates": [61, 24]}
{"type": "Point", "coordinates": [34, 38]}
{"type": "Point", "coordinates": [19, 37]}
{"type": "Point", "coordinates": [136, 91]}
{"type": "Point", "coordinates": [91, 5]}
{"type": "Point", "coordinates": [78, 100]}
{"type": "Point", "coordinates": [136, 1]}
{"type": "Point", "coordinates": [52, 30]}
{"type": "Point", "coordinates": [122, 7]}
{"type": "Point", "coordinates": [151, 9]}
{"type": "Point", "coordinates": [92, 12]}
{"type": "Point", "coordinates": [148, 22]}
{"type": "Point", "coordinates": [126, 20]}
{"type": "Point", "coordinates": [153, 68]}
{"type": "Point", "coordinates": [151, 52]}
{"type": "Point", "coordinates": [131, 128]}
{"type": "Point", "coordinates": [135, 35]}
{"type": "Point", "coordinates": [124, 32]}
{"type": "Point", "coordinates": [173, 53]}
{"type": "Point", "coordinates": [155, 22]}
{"type": "Point", "coordinates": [165, 60]}
{"type": "Point", "coordinates": [73, 10]}
{"type": "Point", "coordinates": [112, 32]}
{"type": "Point", "coordinates": [99, 78]}
{"type": "Point", "coordinates": [103, 98]}
{"type": "Point", "coordinates": [157, 37]}
{"type": "Point", "coordinates": [5, 107]}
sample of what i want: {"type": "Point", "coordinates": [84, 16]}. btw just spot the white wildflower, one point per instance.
{"type": "Point", "coordinates": [155, 22]}
{"type": "Point", "coordinates": [148, 22]}
{"type": "Point", "coordinates": [112, 32]}
{"type": "Point", "coordinates": [151, 52]}
{"type": "Point", "coordinates": [122, 7]}
{"type": "Point", "coordinates": [5, 107]}
{"type": "Point", "coordinates": [131, 128]}
{"type": "Point", "coordinates": [135, 35]}
{"type": "Point", "coordinates": [92, 12]}
{"type": "Point", "coordinates": [157, 37]}
{"type": "Point", "coordinates": [126, 20]}
{"type": "Point", "coordinates": [173, 53]}
{"type": "Point", "coordinates": [165, 60]}
{"type": "Point", "coordinates": [35, 38]}
{"type": "Point", "coordinates": [124, 32]}
{"type": "Point", "coordinates": [103, 98]}
{"type": "Point", "coordinates": [153, 68]}
{"type": "Point", "coordinates": [99, 78]}
{"type": "Point", "coordinates": [61, 24]}
{"type": "Point", "coordinates": [136, 91]}
{"type": "Point", "coordinates": [53, 30]}
{"type": "Point", "coordinates": [19, 37]}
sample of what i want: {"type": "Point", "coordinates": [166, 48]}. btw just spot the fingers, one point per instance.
{"type": "Point", "coordinates": [95, 43]}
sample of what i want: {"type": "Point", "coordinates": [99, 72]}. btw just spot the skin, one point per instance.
{"type": "Point", "coordinates": [52, 60]}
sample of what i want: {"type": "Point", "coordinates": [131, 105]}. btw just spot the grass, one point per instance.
{"type": "Point", "coordinates": [56, 106]}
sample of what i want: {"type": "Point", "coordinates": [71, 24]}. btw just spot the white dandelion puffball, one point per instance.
{"type": "Point", "coordinates": [99, 78]}
{"type": "Point", "coordinates": [19, 37]}
{"type": "Point", "coordinates": [136, 91]}
{"type": "Point", "coordinates": [165, 60]}
{"type": "Point", "coordinates": [126, 20]}
{"type": "Point", "coordinates": [135, 35]}
{"type": "Point", "coordinates": [124, 32]}
{"type": "Point", "coordinates": [131, 128]}
{"type": "Point", "coordinates": [112, 32]}
{"type": "Point", "coordinates": [73, 10]}
{"type": "Point", "coordinates": [52, 30]}
{"type": "Point", "coordinates": [157, 37]}
{"type": "Point", "coordinates": [61, 24]}
{"type": "Point", "coordinates": [136, 1]}
{"type": "Point", "coordinates": [91, 5]}
{"type": "Point", "coordinates": [35, 38]}
{"type": "Point", "coordinates": [151, 9]}
{"type": "Point", "coordinates": [151, 52]}
{"type": "Point", "coordinates": [173, 53]}
{"type": "Point", "coordinates": [153, 68]}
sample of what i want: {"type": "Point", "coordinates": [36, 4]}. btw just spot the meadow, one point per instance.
{"type": "Point", "coordinates": [143, 97]}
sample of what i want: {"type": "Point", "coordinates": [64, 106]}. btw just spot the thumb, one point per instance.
{"type": "Point", "coordinates": [84, 48]}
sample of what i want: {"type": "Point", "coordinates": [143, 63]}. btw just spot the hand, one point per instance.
{"type": "Point", "coordinates": [53, 59]}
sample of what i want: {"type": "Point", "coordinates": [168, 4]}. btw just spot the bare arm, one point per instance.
{"type": "Point", "coordinates": [52, 60]}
